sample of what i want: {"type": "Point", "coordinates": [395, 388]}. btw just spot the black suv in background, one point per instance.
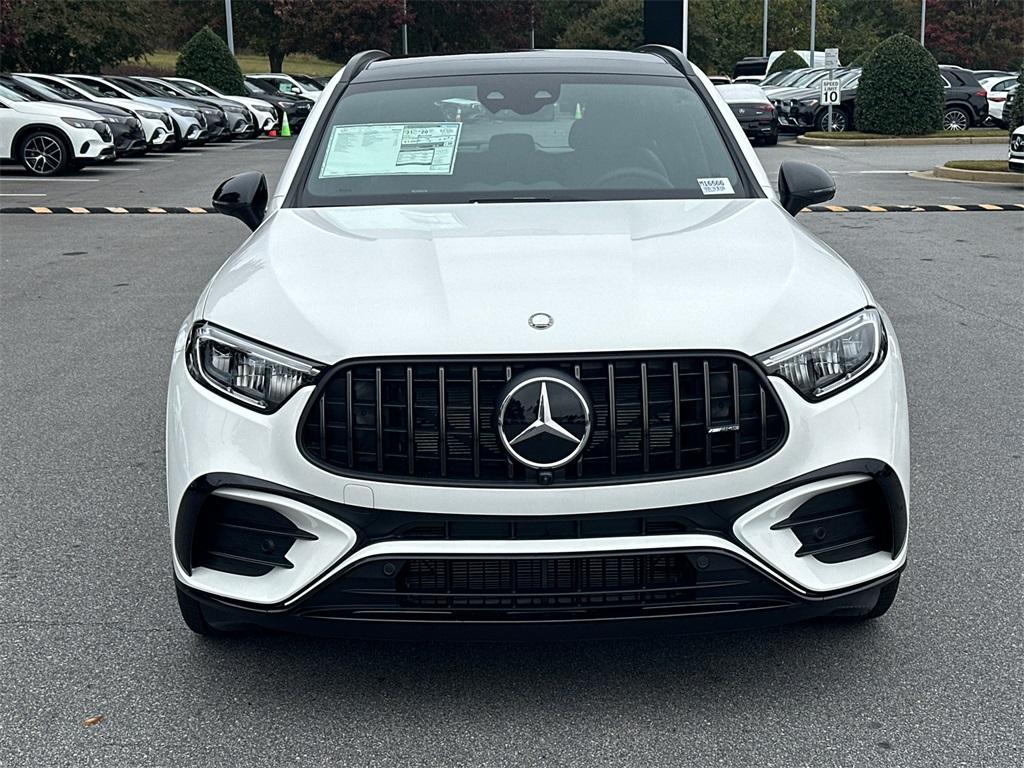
{"type": "Point", "coordinates": [966, 101]}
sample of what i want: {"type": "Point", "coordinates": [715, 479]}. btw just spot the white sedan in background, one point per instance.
{"type": "Point", "coordinates": [998, 89]}
{"type": "Point", "coordinates": [266, 115]}
{"type": "Point", "coordinates": [49, 138]}
{"type": "Point", "coordinates": [288, 84]}
{"type": "Point", "coordinates": [1016, 156]}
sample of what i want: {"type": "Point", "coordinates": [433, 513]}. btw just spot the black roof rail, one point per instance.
{"type": "Point", "coordinates": [672, 55]}
{"type": "Point", "coordinates": [361, 61]}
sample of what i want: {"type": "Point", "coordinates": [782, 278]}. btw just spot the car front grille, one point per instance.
{"type": "Point", "coordinates": [565, 587]}
{"type": "Point", "coordinates": [654, 416]}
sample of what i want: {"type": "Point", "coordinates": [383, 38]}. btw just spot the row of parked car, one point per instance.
{"type": "Point", "coordinates": [52, 124]}
{"type": "Point", "coordinates": [790, 100]}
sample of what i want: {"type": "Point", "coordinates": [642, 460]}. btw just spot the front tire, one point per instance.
{"type": "Point", "coordinates": [44, 153]}
{"type": "Point", "coordinates": [772, 140]}
{"type": "Point", "coordinates": [956, 119]}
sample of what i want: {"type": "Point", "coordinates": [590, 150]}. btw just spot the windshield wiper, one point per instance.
{"type": "Point", "coordinates": [524, 199]}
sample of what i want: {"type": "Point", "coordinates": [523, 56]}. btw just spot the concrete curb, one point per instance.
{"type": "Point", "coordinates": [997, 177]}
{"type": "Point", "coordinates": [899, 142]}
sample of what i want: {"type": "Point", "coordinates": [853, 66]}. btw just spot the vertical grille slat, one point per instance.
{"type": "Point", "coordinates": [350, 422]}
{"type": "Point", "coordinates": [442, 422]}
{"type": "Point", "coordinates": [476, 421]}
{"type": "Point", "coordinates": [653, 415]}
{"type": "Point", "coordinates": [410, 420]}
{"type": "Point", "coordinates": [612, 419]}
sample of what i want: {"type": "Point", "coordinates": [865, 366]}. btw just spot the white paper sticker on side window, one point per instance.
{"type": "Point", "coordinates": [717, 186]}
{"type": "Point", "coordinates": [387, 149]}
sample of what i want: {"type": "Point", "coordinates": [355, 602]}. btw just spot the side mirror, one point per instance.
{"type": "Point", "coordinates": [243, 196]}
{"type": "Point", "coordinates": [803, 184]}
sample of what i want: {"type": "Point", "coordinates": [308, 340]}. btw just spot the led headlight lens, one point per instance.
{"type": "Point", "coordinates": [78, 122]}
{"type": "Point", "coordinates": [151, 115]}
{"type": "Point", "coordinates": [246, 371]}
{"type": "Point", "coordinates": [185, 112]}
{"type": "Point", "coordinates": [825, 362]}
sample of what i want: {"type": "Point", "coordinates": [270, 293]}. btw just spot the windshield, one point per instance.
{"type": "Point", "coordinates": [775, 78]}
{"type": "Point", "coordinates": [163, 88]}
{"type": "Point", "coordinates": [194, 88]}
{"type": "Point", "coordinates": [497, 138]}
{"type": "Point", "coordinates": [308, 81]}
{"type": "Point", "coordinates": [137, 89]}
{"type": "Point", "coordinates": [98, 87]}
{"type": "Point", "coordinates": [9, 95]}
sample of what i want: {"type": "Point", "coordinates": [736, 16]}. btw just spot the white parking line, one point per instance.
{"type": "Point", "coordinates": [22, 194]}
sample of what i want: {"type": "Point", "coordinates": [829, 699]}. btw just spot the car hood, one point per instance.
{"type": "Point", "coordinates": [52, 109]}
{"type": "Point", "coordinates": [334, 283]}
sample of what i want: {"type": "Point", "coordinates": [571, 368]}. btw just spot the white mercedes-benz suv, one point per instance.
{"type": "Point", "coordinates": [567, 365]}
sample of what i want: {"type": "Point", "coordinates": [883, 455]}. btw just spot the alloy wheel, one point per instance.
{"type": "Point", "coordinates": [43, 154]}
{"type": "Point", "coordinates": [955, 120]}
{"type": "Point", "coordinates": [838, 121]}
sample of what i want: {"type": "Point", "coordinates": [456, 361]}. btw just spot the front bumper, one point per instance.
{"type": "Point", "coordinates": [735, 520]}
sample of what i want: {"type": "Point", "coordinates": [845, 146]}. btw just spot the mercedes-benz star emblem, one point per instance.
{"type": "Point", "coordinates": [541, 320]}
{"type": "Point", "coordinates": [544, 419]}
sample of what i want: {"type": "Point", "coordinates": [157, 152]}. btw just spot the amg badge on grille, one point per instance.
{"type": "Point", "coordinates": [544, 419]}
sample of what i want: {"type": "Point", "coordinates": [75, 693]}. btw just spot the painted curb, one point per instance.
{"type": "Point", "coordinates": [900, 142]}
{"type": "Point", "coordinates": [997, 177]}
{"type": "Point", "coordinates": [40, 210]}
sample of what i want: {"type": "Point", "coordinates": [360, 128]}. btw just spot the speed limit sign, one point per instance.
{"type": "Point", "coordinates": [830, 95]}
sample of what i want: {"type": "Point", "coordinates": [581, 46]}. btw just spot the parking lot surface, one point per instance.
{"type": "Point", "coordinates": [90, 305]}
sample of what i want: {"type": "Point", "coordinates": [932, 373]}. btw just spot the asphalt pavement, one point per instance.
{"type": "Point", "coordinates": [89, 306]}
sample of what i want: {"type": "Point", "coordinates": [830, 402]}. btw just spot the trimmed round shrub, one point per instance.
{"type": "Point", "coordinates": [612, 24]}
{"type": "Point", "coordinates": [788, 60]}
{"type": "Point", "coordinates": [1015, 104]}
{"type": "Point", "coordinates": [900, 90]}
{"type": "Point", "coordinates": [206, 58]}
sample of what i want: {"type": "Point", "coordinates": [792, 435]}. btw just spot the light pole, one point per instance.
{"type": "Point", "coordinates": [405, 29]}
{"type": "Point", "coordinates": [922, 22]}
{"type": "Point", "coordinates": [686, 25]}
{"type": "Point", "coordinates": [230, 28]}
{"type": "Point", "coordinates": [764, 31]}
{"type": "Point", "coordinates": [814, 9]}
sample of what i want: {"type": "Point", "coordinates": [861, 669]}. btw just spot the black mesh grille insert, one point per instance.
{"type": "Point", "coordinates": [566, 586]}
{"type": "Point", "coordinates": [653, 415]}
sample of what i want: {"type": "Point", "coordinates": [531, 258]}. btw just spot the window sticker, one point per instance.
{"type": "Point", "coordinates": [387, 149]}
{"type": "Point", "coordinates": [716, 186]}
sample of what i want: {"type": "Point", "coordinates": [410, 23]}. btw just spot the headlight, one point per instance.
{"type": "Point", "coordinates": [263, 108]}
{"type": "Point", "coordinates": [185, 112]}
{"type": "Point", "coordinates": [809, 102]}
{"type": "Point", "coordinates": [284, 104]}
{"type": "Point", "coordinates": [115, 120]}
{"type": "Point", "coordinates": [150, 115]}
{"type": "Point", "coordinates": [825, 362]}
{"type": "Point", "coordinates": [79, 123]}
{"type": "Point", "coordinates": [246, 371]}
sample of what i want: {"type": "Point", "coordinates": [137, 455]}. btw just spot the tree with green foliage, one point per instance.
{"type": "Point", "coordinates": [1014, 114]}
{"type": "Point", "coordinates": [900, 90]}
{"type": "Point", "coordinates": [73, 35]}
{"type": "Point", "coordinates": [788, 60]}
{"type": "Point", "coordinates": [613, 24]}
{"type": "Point", "coordinates": [206, 58]}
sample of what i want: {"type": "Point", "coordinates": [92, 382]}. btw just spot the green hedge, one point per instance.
{"type": "Point", "coordinates": [788, 60]}
{"type": "Point", "coordinates": [900, 90]}
{"type": "Point", "coordinates": [206, 58]}
{"type": "Point", "coordinates": [1015, 104]}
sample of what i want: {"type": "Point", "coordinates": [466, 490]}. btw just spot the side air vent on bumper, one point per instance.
{"type": "Point", "coordinates": [843, 524]}
{"type": "Point", "coordinates": [241, 537]}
